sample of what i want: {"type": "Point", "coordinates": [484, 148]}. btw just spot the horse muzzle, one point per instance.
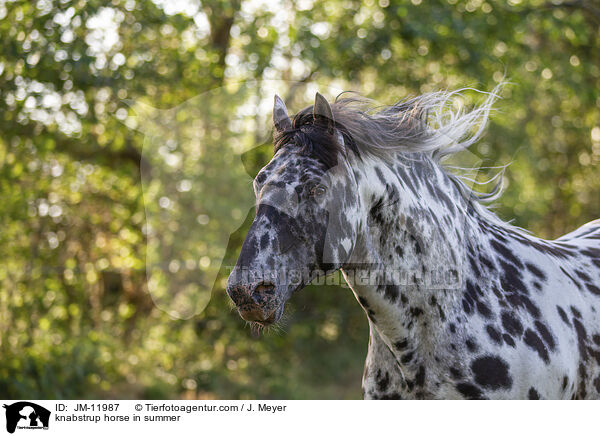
{"type": "Point", "coordinates": [258, 302]}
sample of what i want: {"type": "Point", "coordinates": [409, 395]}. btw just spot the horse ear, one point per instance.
{"type": "Point", "coordinates": [322, 112]}
{"type": "Point", "coordinates": [281, 119]}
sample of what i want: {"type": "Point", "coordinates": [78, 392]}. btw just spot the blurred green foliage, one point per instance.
{"type": "Point", "coordinates": [76, 318]}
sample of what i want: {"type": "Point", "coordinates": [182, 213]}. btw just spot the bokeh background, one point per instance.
{"type": "Point", "coordinates": [76, 317]}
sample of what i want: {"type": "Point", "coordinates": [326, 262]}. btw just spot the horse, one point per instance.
{"type": "Point", "coordinates": [460, 304]}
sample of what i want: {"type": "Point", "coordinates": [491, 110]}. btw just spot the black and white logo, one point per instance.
{"type": "Point", "coordinates": [26, 415]}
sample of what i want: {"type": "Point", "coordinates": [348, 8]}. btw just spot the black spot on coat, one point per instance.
{"type": "Point", "coordinates": [533, 341]}
{"type": "Point", "coordinates": [491, 372]}
{"type": "Point", "coordinates": [563, 315]}
{"type": "Point", "coordinates": [511, 324]}
{"type": "Point", "coordinates": [494, 334]}
{"type": "Point", "coordinates": [469, 391]}
{"type": "Point", "coordinates": [546, 335]}
{"type": "Point", "coordinates": [533, 394]}
{"type": "Point", "coordinates": [509, 340]}
{"type": "Point", "coordinates": [382, 380]}
{"type": "Point", "coordinates": [420, 377]}
{"type": "Point", "coordinates": [536, 272]}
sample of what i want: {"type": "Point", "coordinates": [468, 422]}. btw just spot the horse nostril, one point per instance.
{"type": "Point", "coordinates": [265, 287]}
{"type": "Point", "coordinates": [263, 292]}
{"type": "Point", "coordinates": [239, 294]}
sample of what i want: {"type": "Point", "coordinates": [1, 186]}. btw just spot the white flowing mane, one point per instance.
{"type": "Point", "coordinates": [437, 124]}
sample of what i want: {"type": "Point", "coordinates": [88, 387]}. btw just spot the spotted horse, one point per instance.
{"type": "Point", "coordinates": [460, 304]}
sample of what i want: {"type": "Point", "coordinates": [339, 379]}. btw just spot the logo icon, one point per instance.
{"type": "Point", "coordinates": [26, 415]}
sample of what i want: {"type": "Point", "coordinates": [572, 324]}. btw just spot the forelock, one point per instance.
{"type": "Point", "coordinates": [313, 139]}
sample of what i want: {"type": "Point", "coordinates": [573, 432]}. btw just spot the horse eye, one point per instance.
{"type": "Point", "coordinates": [319, 191]}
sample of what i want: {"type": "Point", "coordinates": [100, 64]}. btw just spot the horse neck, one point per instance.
{"type": "Point", "coordinates": [410, 256]}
